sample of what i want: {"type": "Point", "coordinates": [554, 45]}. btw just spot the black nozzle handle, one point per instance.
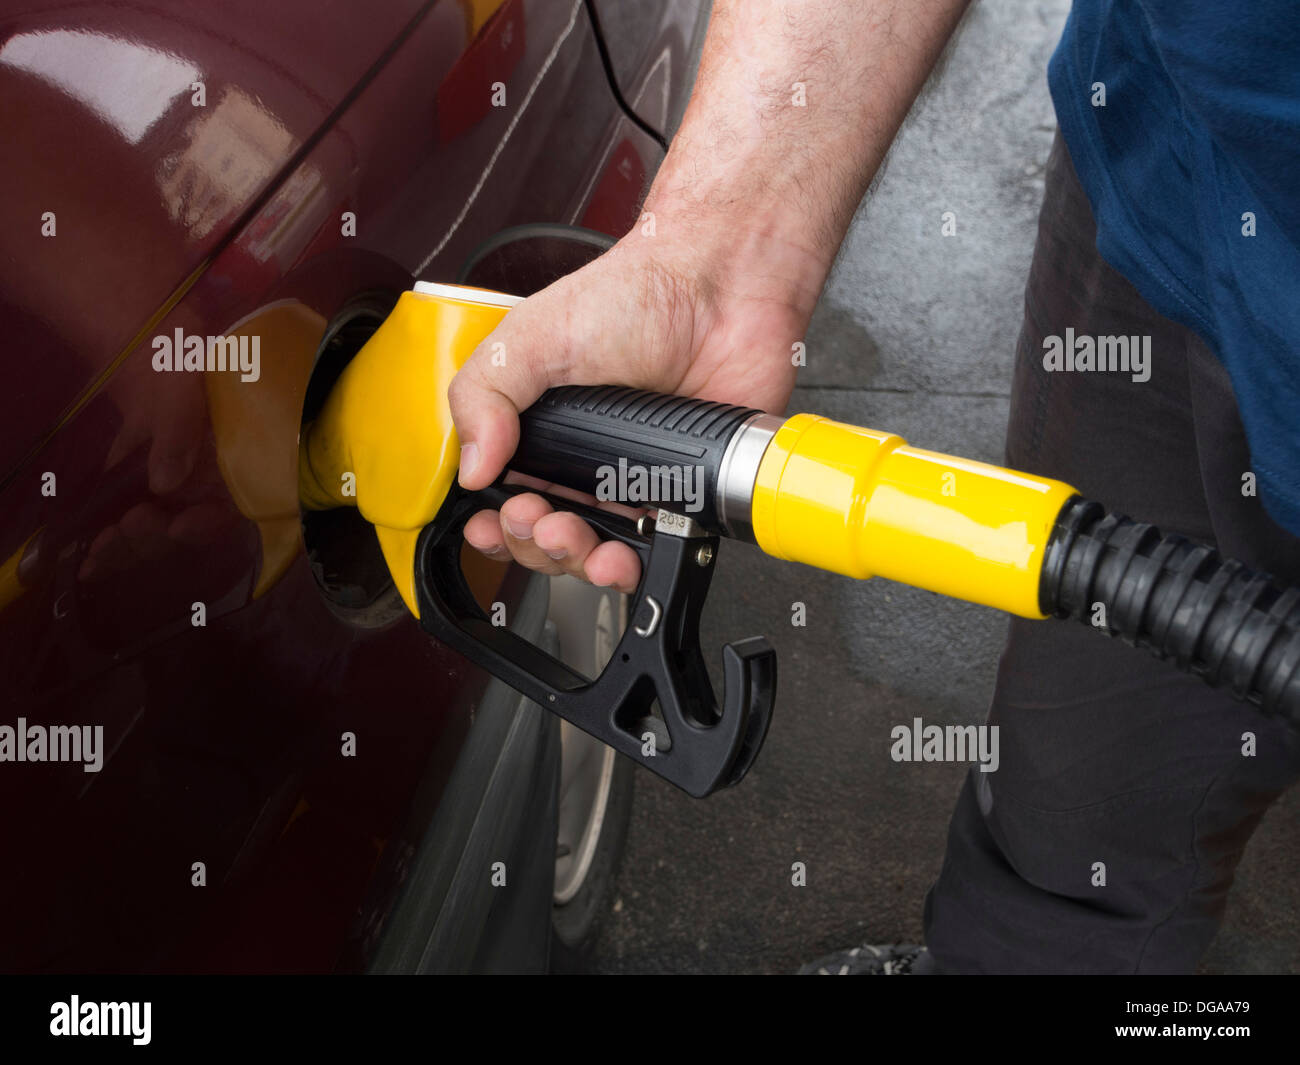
{"type": "Point", "coordinates": [1210, 616]}
{"type": "Point", "coordinates": [630, 446]}
{"type": "Point", "coordinates": [700, 743]}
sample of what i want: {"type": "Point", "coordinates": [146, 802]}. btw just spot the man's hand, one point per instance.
{"type": "Point", "coordinates": [793, 110]}
{"type": "Point", "coordinates": [647, 314]}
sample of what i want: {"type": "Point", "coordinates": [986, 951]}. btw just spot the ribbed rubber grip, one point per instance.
{"type": "Point", "coordinates": [1212, 617]}
{"type": "Point", "coordinates": [630, 446]}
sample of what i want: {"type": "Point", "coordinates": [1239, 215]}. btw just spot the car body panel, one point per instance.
{"type": "Point", "coordinates": [157, 581]}
{"type": "Point", "coordinates": [143, 185]}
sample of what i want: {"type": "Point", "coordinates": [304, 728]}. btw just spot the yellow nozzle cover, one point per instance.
{"type": "Point", "coordinates": [864, 503]}
{"type": "Point", "coordinates": [384, 440]}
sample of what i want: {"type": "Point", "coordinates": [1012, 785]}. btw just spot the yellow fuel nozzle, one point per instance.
{"type": "Point", "coordinates": [384, 441]}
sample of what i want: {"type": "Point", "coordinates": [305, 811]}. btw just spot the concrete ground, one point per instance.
{"type": "Point", "coordinates": [915, 334]}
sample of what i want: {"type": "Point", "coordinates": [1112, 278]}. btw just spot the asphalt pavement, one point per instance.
{"type": "Point", "coordinates": [915, 334]}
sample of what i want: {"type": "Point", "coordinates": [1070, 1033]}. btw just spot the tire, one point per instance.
{"type": "Point", "coordinates": [596, 783]}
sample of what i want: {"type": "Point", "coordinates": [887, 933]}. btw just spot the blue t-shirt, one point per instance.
{"type": "Point", "coordinates": [1197, 146]}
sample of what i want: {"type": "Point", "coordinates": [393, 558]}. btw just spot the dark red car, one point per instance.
{"type": "Point", "coordinates": [224, 744]}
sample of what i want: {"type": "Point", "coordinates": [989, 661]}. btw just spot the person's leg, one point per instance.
{"type": "Point", "coordinates": [1113, 765]}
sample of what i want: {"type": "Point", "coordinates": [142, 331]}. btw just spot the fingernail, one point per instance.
{"type": "Point", "coordinates": [557, 554]}
{"type": "Point", "coordinates": [468, 459]}
{"type": "Point", "coordinates": [496, 551]}
{"type": "Point", "coordinates": [520, 530]}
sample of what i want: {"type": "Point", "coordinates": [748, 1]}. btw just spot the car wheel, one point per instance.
{"type": "Point", "coordinates": [595, 783]}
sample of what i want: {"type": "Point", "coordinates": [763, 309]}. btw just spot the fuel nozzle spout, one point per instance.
{"type": "Point", "coordinates": [384, 440]}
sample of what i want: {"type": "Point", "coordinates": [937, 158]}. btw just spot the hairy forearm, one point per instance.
{"type": "Point", "coordinates": [794, 108]}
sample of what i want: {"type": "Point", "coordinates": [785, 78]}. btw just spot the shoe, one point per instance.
{"type": "Point", "coordinates": [893, 959]}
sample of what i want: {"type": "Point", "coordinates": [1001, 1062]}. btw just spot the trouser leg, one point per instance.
{"type": "Point", "coordinates": [1107, 838]}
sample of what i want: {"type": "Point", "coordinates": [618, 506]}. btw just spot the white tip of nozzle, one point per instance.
{"type": "Point", "coordinates": [467, 294]}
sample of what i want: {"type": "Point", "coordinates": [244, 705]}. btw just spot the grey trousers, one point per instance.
{"type": "Point", "coordinates": [1114, 765]}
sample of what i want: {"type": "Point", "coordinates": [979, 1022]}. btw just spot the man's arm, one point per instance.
{"type": "Point", "coordinates": [794, 107]}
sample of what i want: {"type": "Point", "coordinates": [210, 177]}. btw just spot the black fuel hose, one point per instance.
{"type": "Point", "coordinates": [1212, 617]}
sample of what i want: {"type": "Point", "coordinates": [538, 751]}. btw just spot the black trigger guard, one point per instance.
{"type": "Point", "coordinates": [694, 743]}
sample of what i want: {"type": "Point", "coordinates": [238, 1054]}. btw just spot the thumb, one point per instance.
{"type": "Point", "coordinates": [502, 377]}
